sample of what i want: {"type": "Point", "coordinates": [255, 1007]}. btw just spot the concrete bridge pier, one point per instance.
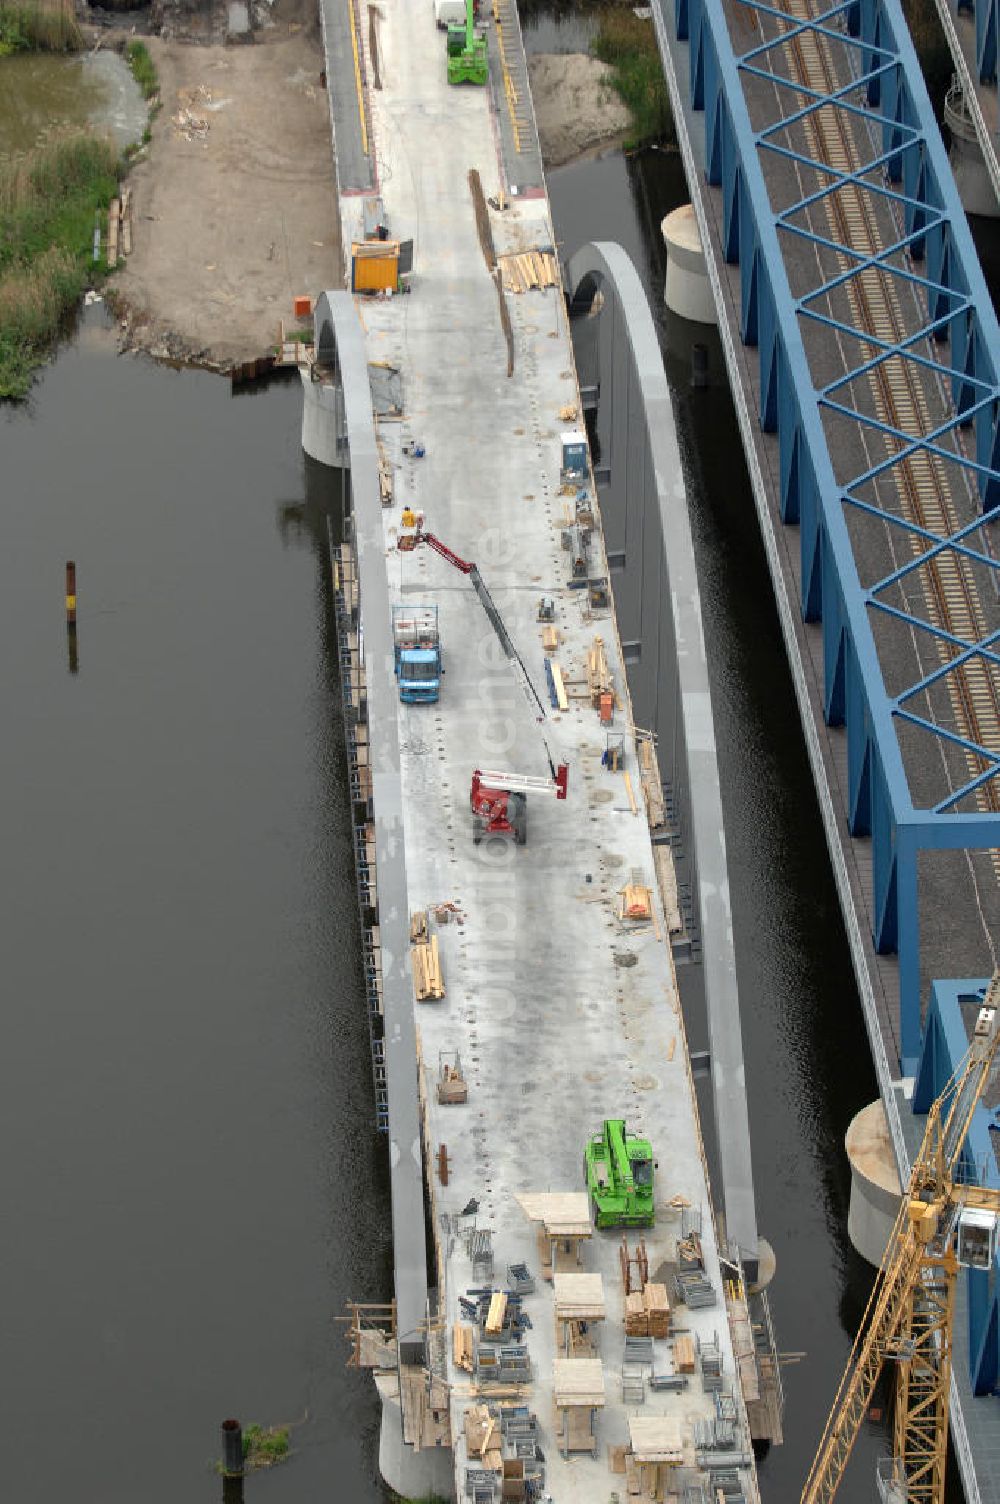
{"type": "Point", "coordinates": [427, 1474]}
{"type": "Point", "coordinates": [875, 1188]}
{"type": "Point", "coordinates": [687, 292]}
{"type": "Point", "coordinates": [965, 153]}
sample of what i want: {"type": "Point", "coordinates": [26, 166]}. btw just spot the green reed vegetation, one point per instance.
{"type": "Point", "coordinates": [48, 202]}
{"type": "Point", "coordinates": [628, 45]}
{"type": "Point", "coordinates": [143, 68]}
{"type": "Point", "coordinates": [27, 27]}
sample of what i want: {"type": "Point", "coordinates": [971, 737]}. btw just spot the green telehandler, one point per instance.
{"type": "Point", "coordinates": [618, 1169]}
{"type": "Point", "coordinates": [467, 59]}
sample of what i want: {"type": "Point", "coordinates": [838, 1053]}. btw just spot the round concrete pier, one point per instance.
{"type": "Point", "coordinates": [767, 1265]}
{"type": "Point", "coordinates": [875, 1189]}
{"type": "Point", "coordinates": [688, 291]}
{"type": "Point", "coordinates": [413, 1475]}
{"type": "Point", "coordinates": [972, 177]}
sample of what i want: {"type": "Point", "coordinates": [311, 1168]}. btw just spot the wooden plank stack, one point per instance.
{"type": "Point", "coordinates": [482, 1437]}
{"type": "Point", "coordinates": [637, 901]}
{"type": "Point", "coordinates": [461, 1337]}
{"type": "Point", "coordinates": [657, 1309]}
{"type": "Point", "coordinates": [120, 227]}
{"type": "Point", "coordinates": [636, 1316]}
{"type": "Point", "coordinates": [599, 680]}
{"type": "Point", "coordinates": [649, 774]}
{"type": "Point", "coordinates": [452, 1087]}
{"type": "Point", "coordinates": [666, 873]}
{"type": "Point", "coordinates": [384, 478]}
{"type": "Point", "coordinates": [528, 270]}
{"type": "Point", "coordinates": [683, 1355]}
{"type": "Point", "coordinates": [497, 1314]}
{"type": "Point", "coordinates": [427, 979]}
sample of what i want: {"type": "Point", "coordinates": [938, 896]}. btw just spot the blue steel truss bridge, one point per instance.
{"type": "Point", "coordinates": [863, 350]}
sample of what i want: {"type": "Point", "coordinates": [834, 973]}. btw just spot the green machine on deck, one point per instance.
{"type": "Point", "coordinates": [618, 1168]}
{"type": "Point", "coordinates": [467, 59]}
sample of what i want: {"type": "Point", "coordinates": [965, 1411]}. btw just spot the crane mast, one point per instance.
{"type": "Point", "coordinates": [910, 1314]}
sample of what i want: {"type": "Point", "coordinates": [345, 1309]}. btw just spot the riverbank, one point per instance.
{"type": "Point", "coordinates": [234, 201]}
{"type": "Point", "coordinates": [576, 107]}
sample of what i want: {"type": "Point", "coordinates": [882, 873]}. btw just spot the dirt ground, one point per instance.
{"type": "Point", "coordinates": [576, 108]}
{"type": "Point", "coordinates": [235, 206]}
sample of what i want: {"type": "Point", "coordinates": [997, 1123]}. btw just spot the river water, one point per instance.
{"type": "Point", "coordinates": [191, 1183]}
{"type": "Point", "coordinates": [43, 96]}
{"type": "Point", "coordinates": [190, 1180]}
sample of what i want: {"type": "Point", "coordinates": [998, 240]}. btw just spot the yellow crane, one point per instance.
{"type": "Point", "coordinates": [943, 1222]}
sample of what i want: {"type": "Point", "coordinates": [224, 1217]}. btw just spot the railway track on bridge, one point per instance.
{"type": "Point", "coordinates": [952, 603]}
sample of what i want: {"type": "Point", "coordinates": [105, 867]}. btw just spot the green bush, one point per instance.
{"type": "Point", "coordinates": [263, 1446]}
{"type": "Point", "coordinates": [143, 68]}
{"type": "Point", "coordinates": [628, 45]}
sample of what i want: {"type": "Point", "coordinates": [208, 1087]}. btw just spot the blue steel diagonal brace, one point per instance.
{"type": "Point", "coordinates": [879, 795]}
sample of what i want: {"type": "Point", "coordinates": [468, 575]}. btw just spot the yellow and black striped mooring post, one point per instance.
{"type": "Point", "coordinates": [71, 615]}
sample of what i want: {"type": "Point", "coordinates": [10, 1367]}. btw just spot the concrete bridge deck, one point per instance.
{"type": "Point", "coordinates": [562, 1011]}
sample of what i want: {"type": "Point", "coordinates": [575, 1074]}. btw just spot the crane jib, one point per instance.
{"type": "Point", "coordinates": [410, 541]}
{"type": "Point", "coordinates": [496, 621]}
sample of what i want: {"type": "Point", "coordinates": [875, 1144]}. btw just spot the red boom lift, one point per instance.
{"type": "Point", "coordinates": [499, 800]}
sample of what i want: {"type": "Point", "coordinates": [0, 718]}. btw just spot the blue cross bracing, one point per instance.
{"type": "Point", "coordinates": [987, 17]}
{"type": "Point", "coordinates": [877, 371]}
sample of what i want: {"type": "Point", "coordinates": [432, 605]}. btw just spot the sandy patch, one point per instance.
{"type": "Point", "coordinates": [575, 106]}
{"type": "Point", "coordinates": [235, 208]}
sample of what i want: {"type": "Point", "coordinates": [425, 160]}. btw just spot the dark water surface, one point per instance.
{"type": "Point", "coordinates": [190, 1184]}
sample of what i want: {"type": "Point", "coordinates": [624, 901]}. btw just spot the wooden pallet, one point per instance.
{"type": "Point", "coordinates": [525, 271]}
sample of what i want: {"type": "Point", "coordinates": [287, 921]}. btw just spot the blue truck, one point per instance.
{"type": "Point", "coordinates": [417, 649]}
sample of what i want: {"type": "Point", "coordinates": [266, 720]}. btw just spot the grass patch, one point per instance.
{"type": "Point", "coordinates": [143, 69]}
{"type": "Point", "coordinates": [48, 201]}
{"type": "Point", "coordinates": [263, 1446]}
{"type": "Point", "coordinates": [628, 46]}
{"type": "Point", "coordinates": [39, 27]}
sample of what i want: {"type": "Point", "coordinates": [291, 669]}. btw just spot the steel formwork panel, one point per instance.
{"type": "Point", "coordinates": [849, 131]}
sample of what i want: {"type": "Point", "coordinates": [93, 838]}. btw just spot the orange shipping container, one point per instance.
{"type": "Point", "coordinates": [375, 266]}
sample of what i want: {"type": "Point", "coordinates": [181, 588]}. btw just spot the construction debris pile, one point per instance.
{"type": "Point", "coordinates": [191, 118]}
